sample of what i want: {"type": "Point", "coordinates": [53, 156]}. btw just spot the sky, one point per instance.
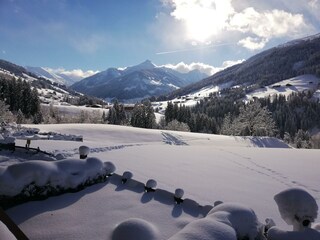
{"type": "Point", "coordinates": [88, 36]}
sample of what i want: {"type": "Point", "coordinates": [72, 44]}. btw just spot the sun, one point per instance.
{"type": "Point", "coordinates": [203, 18]}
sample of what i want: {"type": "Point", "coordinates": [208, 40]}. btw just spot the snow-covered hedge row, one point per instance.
{"type": "Point", "coordinates": [41, 179]}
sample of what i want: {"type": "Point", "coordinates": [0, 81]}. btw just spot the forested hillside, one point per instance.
{"type": "Point", "coordinates": [283, 62]}
{"type": "Point", "coordinates": [21, 99]}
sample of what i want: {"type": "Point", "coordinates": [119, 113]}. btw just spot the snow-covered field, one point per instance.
{"type": "Point", "coordinates": [209, 168]}
{"type": "Point", "coordinates": [287, 87]}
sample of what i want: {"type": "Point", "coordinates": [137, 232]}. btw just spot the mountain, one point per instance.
{"type": "Point", "coordinates": [9, 70]}
{"type": "Point", "coordinates": [52, 75]}
{"type": "Point", "coordinates": [136, 82]}
{"type": "Point", "coordinates": [48, 90]}
{"type": "Point", "coordinates": [295, 58]}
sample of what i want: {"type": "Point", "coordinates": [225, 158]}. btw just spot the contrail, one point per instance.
{"type": "Point", "coordinates": [194, 49]}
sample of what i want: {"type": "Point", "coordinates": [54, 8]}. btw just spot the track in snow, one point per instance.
{"type": "Point", "coordinates": [170, 139]}
{"type": "Point", "coordinates": [251, 165]}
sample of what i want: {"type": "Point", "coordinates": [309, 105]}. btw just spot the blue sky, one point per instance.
{"type": "Point", "coordinates": [97, 34]}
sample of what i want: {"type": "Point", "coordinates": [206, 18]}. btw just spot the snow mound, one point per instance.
{"type": "Point", "coordinates": [206, 229]}
{"type": "Point", "coordinates": [5, 233]}
{"type": "Point", "coordinates": [135, 229]}
{"type": "Point", "coordinates": [241, 218]}
{"type": "Point", "coordinates": [226, 221]}
{"type": "Point", "coordinates": [308, 234]}
{"type": "Point", "coordinates": [296, 206]}
{"type": "Point", "coordinates": [68, 173]}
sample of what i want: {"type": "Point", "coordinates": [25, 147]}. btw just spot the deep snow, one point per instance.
{"type": "Point", "coordinates": [209, 168]}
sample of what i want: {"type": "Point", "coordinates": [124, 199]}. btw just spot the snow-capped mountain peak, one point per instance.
{"type": "Point", "coordinates": [136, 82]}
{"type": "Point", "coordinates": [146, 65]}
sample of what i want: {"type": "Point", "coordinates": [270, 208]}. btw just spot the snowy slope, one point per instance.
{"type": "Point", "coordinates": [286, 87]}
{"type": "Point", "coordinates": [208, 167]}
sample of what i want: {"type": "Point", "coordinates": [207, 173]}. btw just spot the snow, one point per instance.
{"type": "Point", "coordinates": [151, 183]}
{"type": "Point", "coordinates": [278, 234]}
{"type": "Point", "coordinates": [287, 87]}
{"type": "Point", "coordinates": [209, 168]}
{"type": "Point", "coordinates": [179, 193]}
{"type": "Point", "coordinates": [68, 173]}
{"type": "Point", "coordinates": [135, 229]}
{"type": "Point", "coordinates": [239, 217]}
{"type": "Point", "coordinates": [75, 110]}
{"type": "Point", "coordinates": [297, 207]}
{"type": "Point", "coordinates": [5, 233]}
{"type": "Point", "coordinates": [206, 229]}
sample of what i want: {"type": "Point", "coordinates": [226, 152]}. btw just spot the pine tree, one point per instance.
{"type": "Point", "coordinates": [143, 116]}
{"type": "Point", "coordinates": [20, 117]}
{"type": "Point", "coordinates": [117, 114]}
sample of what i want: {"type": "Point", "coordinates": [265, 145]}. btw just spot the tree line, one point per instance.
{"type": "Point", "coordinates": [290, 118]}
{"type": "Point", "coordinates": [21, 100]}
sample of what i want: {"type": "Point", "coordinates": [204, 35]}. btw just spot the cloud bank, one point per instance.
{"type": "Point", "coordinates": [206, 20]}
{"type": "Point", "coordinates": [202, 67]}
{"type": "Point", "coordinates": [76, 74]}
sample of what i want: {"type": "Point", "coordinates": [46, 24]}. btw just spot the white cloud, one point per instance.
{"type": "Point", "coordinates": [202, 67]}
{"type": "Point", "coordinates": [266, 25]}
{"type": "Point", "coordinates": [275, 23]}
{"type": "Point", "coordinates": [230, 63]}
{"type": "Point", "coordinates": [3, 51]}
{"type": "Point", "coordinates": [77, 74]}
{"type": "Point", "coordinates": [207, 20]}
{"type": "Point", "coordinates": [253, 43]}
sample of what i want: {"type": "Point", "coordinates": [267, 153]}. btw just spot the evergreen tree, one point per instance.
{"type": "Point", "coordinates": [143, 116]}
{"type": "Point", "coordinates": [169, 114]}
{"type": "Point", "coordinates": [20, 117]}
{"type": "Point", "coordinates": [302, 139]}
{"type": "Point", "coordinates": [226, 128]}
{"type": "Point", "coordinates": [117, 114]}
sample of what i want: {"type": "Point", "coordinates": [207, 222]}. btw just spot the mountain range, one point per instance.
{"type": "Point", "coordinates": [58, 77]}
{"type": "Point", "coordinates": [136, 82]}
{"type": "Point", "coordinates": [286, 61]}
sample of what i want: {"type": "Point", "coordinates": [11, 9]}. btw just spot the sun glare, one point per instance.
{"type": "Point", "coordinates": [203, 18]}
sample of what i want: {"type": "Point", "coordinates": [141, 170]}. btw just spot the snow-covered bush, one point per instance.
{"type": "Point", "coordinates": [226, 221]}
{"type": "Point", "coordinates": [135, 229]}
{"type": "Point", "coordinates": [39, 179]}
{"type": "Point", "coordinates": [242, 218]}
{"type": "Point", "coordinates": [175, 125]}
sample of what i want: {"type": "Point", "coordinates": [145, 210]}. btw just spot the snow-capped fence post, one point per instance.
{"type": "Point", "coordinates": [150, 186]}
{"type": "Point", "coordinates": [297, 208]}
{"type": "Point", "coordinates": [109, 168]}
{"type": "Point", "coordinates": [84, 151]}
{"type": "Point", "coordinates": [126, 176]}
{"type": "Point", "coordinates": [178, 194]}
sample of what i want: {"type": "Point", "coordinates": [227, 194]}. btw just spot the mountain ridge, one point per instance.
{"type": "Point", "coordinates": [136, 82]}
{"type": "Point", "coordinates": [294, 58]}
